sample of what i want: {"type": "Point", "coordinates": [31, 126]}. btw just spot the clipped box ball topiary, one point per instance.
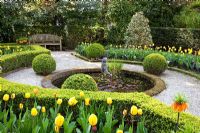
{"type": "Point", "coordinates": [155, 64]}
{"type": "Point", "coordinates": [95, 50]}
{"type": "Point", "coordinates": [80, 81]}
{"type": "Point", "coordinates": [44, 64]}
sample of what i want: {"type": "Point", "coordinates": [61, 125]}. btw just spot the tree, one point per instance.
{"type": "Point", "coordinates": [138, 31]}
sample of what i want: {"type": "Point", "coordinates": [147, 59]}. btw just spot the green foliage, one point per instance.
{"type": "Point", "coordinates": [119, 13]}
{"type": "Point", "coordinates": [21, 59]}
{"type": "Point", "coordinates": [180, 99]}
{"type": "Point", "coordinates": [80, 81]}
{"type": "Point", "coordinates": [44, 64]}
{"type": "Point", "coordinates": [95, 50]}
{"type": "Point", "coordinates": [110, 123]}
{"type": "Point", "coordinates": [155, 63]}
{"type": "Point", "coordinates": [189, 17]}
{"type": "Point", "coordinates": [115, 67]}
{"type": "Point", "coordinates": [81, 48]}
{"type": "Point", "coordinates": [158, 116]}
{"type": "Point", "coordinates": [138, 31]}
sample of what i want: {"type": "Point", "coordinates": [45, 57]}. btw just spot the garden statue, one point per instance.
{"type": "Point", "coordinates": [104, 67]}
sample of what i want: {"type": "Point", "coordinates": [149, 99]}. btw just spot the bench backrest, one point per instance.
{"type": "Point", "coordinates": [44, 38]}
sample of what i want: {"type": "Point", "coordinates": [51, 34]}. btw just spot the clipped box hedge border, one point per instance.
{"type": "Point", "coordinates": [13, 61]}
{"type": "Point", "coordinates": [158, 116]}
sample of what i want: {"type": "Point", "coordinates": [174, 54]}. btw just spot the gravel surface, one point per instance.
{"type": "Point", "coordinates": [176, 82]}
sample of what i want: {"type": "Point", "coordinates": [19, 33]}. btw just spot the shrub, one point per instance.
{"type": "Point", "coordinates": [158, 116]}
{"type": "Point", "coordinates": [20, 59]}
{"type": "Point", "coordinates": [138, 31]}
{"type": "Point", "coordinates": [155, 64]}
{"type": "Point", "coordinates": [44, 64]}
{"type": "Point", "coordinates": [95, 50]}
{"type": "Point", "coordinates": [80, 81]}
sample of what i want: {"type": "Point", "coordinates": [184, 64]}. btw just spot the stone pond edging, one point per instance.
{"type": "Point", "coordinates": [159, 84]}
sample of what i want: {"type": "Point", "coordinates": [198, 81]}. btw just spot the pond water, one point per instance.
{"type": "Point", "coordinates": [125, 82]}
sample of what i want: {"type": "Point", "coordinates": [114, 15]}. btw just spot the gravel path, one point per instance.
{"type": "Point", "coordinates": [176, 82]}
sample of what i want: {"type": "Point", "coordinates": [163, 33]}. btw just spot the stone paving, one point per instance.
{"type": "Point", "coordinates": [176, 82]}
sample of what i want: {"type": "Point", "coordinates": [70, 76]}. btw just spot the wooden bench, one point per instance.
{"type": "Point", "coordinates": [46, 39]}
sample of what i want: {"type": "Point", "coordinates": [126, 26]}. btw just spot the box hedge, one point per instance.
{"type": "Point", "coordinates": [13, 61]}
{"type": "Point", "coordinates": [158, 116]}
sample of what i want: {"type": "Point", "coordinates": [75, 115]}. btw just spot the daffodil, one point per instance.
{"type": "Point", "coordinates": [59, 101]}
{"type": "Point", "coordinates": [59, 120]}
{"type": "Point", "coordinates": [34, 112]}
{"type": "Point", "coordinates": [134, 110]}
{"type": "Point", "coordinates": [72, 101]}
{"type": "Point", "coordinates": [87, 101]}
{"type": "Point", "coordinates": [109, 100]}
{"type": "Point", "coordinates": [27, 95]}
{"type": "Point", "coordinates": [6, 97]}
{"type": "Point", "coordinates": [93, 120]}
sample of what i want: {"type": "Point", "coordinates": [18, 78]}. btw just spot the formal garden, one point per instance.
{"type": "Point", "coordinates": [100, 66]}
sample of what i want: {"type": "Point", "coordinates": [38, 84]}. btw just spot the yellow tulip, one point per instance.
{"type": "Point", "coordinates": [5, 97]}
{"type": "Point", "coordinates": [56, 128]}
{"type": "Point", "coordinates": [87, 101]}
{"type": "Point", "coordinates": [139, 111]}
{"type": "Point", "coordinates": [119, 131]}
{"type": "Point", "coordinates": [59, 101]}
{"type": "Point", "coordinates": [109, 100]}
{"type": "Point", "coordinates": [81, 94]}
{"type": "Point", "coordinates": [59, 120]}
{"type": "Point", "coordinates": [43, 109]}
{"type": "Point", "coordinates": [124, 112]}
{"type": "Point", "coordinates": [27, 95]}
{"type": "Point", "coordinates": [34, 112]}
{"type": "Point", "coordinates": [21, 106]}
{"type": "Point", "coordinates": [13, 96]}
{"type": "Point", "coordinates": [93, 120]}
{"type": "Point", "coordinates": [35, 91]}
{"type": "Point", "coordinates": [72, 101]}
{"type": "Point", "coordinates": [134, 110]}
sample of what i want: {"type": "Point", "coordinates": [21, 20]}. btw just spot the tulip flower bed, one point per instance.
{"type": "Point", "coordinates": [13, 49]}
{"type": "Point", "coordinates": [41, 119]}
{"type": "Point", "coordinates": [158, 116]}
{"type": "Point", "coordinates": [22, 58]}
{"type": "Point", "coordinates": [185, 60]}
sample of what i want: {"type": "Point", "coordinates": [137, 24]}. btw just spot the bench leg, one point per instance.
{"type": "Point", "coordinates": [60, 47]}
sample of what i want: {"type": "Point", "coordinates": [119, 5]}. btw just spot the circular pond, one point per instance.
{"type": "Point", "coordinates": [127, 81]}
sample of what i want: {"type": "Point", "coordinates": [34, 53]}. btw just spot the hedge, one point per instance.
{"type": "Point", "coordinates": [168, 36]}
{"type": "Point", "coordinates": [13, 61]}
{"type": "Point", "coordinates": [158, 116]}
